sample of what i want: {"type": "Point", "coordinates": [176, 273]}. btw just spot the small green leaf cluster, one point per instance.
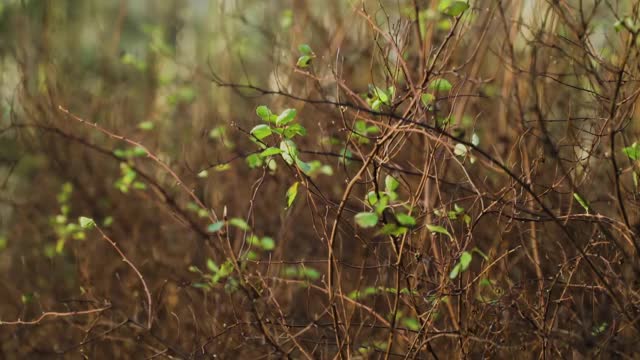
{"type": "Point", "coordinates": [200, 212]}
{"type": "Point", "coordinates": [369, 348]}
{"type": "Point", "coordinates": [283, 126]}
{"type": "Point", "coordinates": [370, 291]}
{"type": "Point", "coordinates": [130, 153]}
{"type": "Point", "coordinates": [628, 24]}
{"type": "Point", "coordinates": [465, 260]}
{"type": "Point", "coordinates": [377, 97]}
{"type": "Point", "coordinates": [362, 131]}
{"type": "Point", "coordinates": [264, 243]}
{"type": "Point", "coordinates": [62, 227]}
{"type": "Point", "coordinates": [381, 201]}
{"type": "Point", "coordinates": [131, 60]}
{"type": "Point", "coordinates": [462, 265]}
{"type": "Point", "coordinates": [306, 55]}
{"type": "Point", "coordinates": [146, 125]}
{"type": "Point", "coordinates": [633, 151]}
{"type": "Point", "coordinates": [453, 8]}
{"type": "Point", "coordinates": [458, 212]}
{"type": "Point", "coordinates": [128, 180]}
{"type": "Point", "coordinates": [215, 275]}
{"type": "Point", "coordinates": [219, 133]}
{"type": "Point", "coordinates": [182, 95]}
{"type": "Point", "coordinates": [582, 202]}
{"type": "Point", "coordinates": [300, 272]}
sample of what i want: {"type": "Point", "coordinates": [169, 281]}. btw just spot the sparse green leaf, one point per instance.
{"type": "Point", "coordinates": [633, 151]}
{"type": "Point", "coordinates": [215, 227]}
{"type": "Point", "coordinates": [289, 151]}
{"type": "Point", "coordinates": [254, 160]}
{"type": "Point", "coordinates": [465, 260]}
{"type": "Point", "coordinates": [263, 112]}
{"type": "Point", "coordinates": [462, 265]}
{"type": "Point", "coordinates": [456, 8]}
{"type": "Point", "coordinates": [239, 223]}
{"type": "Point", "coordinates": [304, 61]}
{"type": "Point", "coordinates": [440, 85]}
{"type": "Point", "coordinates": [261, 131]}
{"type": "Point", "coordinates": [270, 151]}
{"type": "Point", "coordinates": [145, 125]}
{"type": "Point", "coordinates": [406, 220]}
{"type": "Point", "coordinates": [267, 243]}
{"type": "Point", "coordinates": [86, 223]}
{"type": "Point", "coordinates": [293, 130]}
{"type": "Point", "coordinates": [475, 139]}
{"type": "Point", "coordinates": [439, 229]}
{"type": "Point", "coordinates": [366, 219]}
{"type": "Point", "coordinates": [212, 266]}
{"type": "Point", "coordinates": [455, 271]}
{"type": "Point", "coordinates": [286, 117]}
{"type": "Point", "coordinates": [460, 150]}
{"type": "Point", "coordinates": [427, 99]}
{"type": "Point", "coordinates": [581, 201]}
{"type": "Point", "coordinates": [292, 192]}
{"type": "Point", "coordinates": [390, 184]}
{"type": "Point", "coordinates": [411, 323]}
{"type": "Point", "coordinates": [305, 49]}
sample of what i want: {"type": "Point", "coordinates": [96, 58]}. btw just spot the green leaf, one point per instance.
{"type": "Point", "coordinates": [411, 323]}
{"type": "Point", "coordinates": [455, 271]}
{"type": "Point", "coordinates": [465, 260]}
{"type": "Point", "coordinates": [304, 61]}
{"type": "Point", "coordinates": [462, 265]}
{"type": "Point", "coordinates": [390, 229]}
{"type": "Point", "coordinates": [289, 151]}
{"type": "Point", "coordinates": [439, 229]}
{"type": "Point", "coordinates": [460, 150]}
{"type": "Point", "coordinates": [261, 131]}
{"type": "Point", "coordinates": [263, 112]}
{"type": "Point", "coordinates": [138, 151]}
{"type": "Point", "coordinates": [145, 125]}
{"type": "Point", "coordinates": [633, 151]}
{"type": "Point", "coordinates": [305, 49]}
{"type": "Point", "coordinates": [475, 139]}
{"type": "Point", "coordinates": [366, 219]}
{"type": "Point", "coordinates": [376, 105]}
{"type": "Point", "coordinates": [372, 198]}
{"type": "Point", "coordinates": [427, 99]}
{"type": "Point", "coordinates": [618, 26]}
{"type": "Point", "coordinates": [305, 167]}
{"type": "Point", "coordinates": [293, 130]}
{"type": "Point", "coordinates": [215, 227]}
{"type": "Point", "coordinates": [254, 160]}
{"type": "Point", "coordinates": [270, 151]}
{"type": "Point", "coordinates": [286, 117]}
{"type": "Point", "coordinates": [86, 223]}
{"type": "Point", "coordinates": [267, 243]}
{"type": "Point", "coordinates": [406, 220]}
{"type": "Point", "coordinates": [390, 184]}
{"type": "Point", "coordinates": [456, 8]}
{"type": "Point", "coordinates": [440, 85]}
{"type": "Point", "coordinates": [310, 273]}
{"type": "Point", "coordinates": [582, 202]}
{"type": "Point", "coordinates": [383, 96]}
{"type": "Point", "coordinates": [212, 266]}
{"type": "Point", "coordinates": [203, 174]}
{"type": "Point", "coordinates": [382, 203]}
{"type": "Point", "coordinates": [292, 192]}
{"type": "Point", "coordinates": [239, 223]}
